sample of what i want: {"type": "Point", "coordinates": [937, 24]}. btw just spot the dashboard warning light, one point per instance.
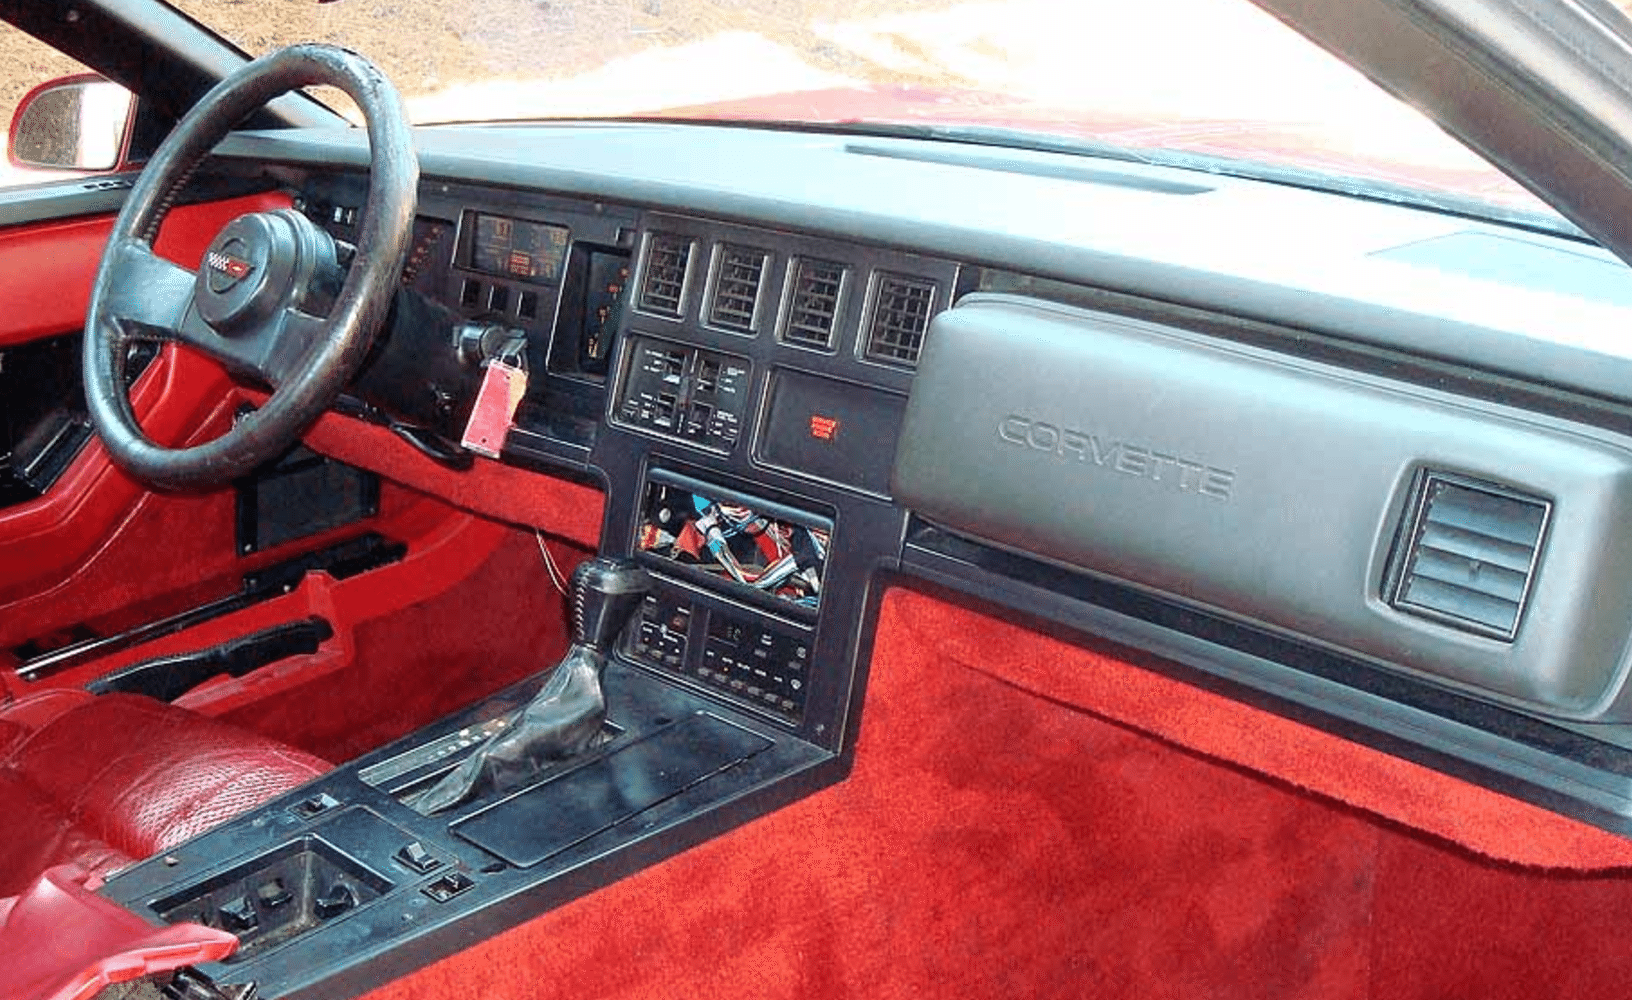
{"type": "Point", "coordinates": [823, 428]}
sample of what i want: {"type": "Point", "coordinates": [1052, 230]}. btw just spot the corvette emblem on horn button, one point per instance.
{"type": "Point", "coordinates": [235, 268]}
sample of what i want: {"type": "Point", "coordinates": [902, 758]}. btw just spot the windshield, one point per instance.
{"type": "Point", "coordinates": [1218, 81]}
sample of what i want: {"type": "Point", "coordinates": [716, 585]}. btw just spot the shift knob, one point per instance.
{"type": "Point", "coordinates": [605, 592]}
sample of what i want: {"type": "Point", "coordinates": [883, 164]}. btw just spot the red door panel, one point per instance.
{"type": "Point", "coordinates": [103, 552]}
{"type": "Point", "coordinates": [46, 270]}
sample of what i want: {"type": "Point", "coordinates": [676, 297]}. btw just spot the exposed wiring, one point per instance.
{"type": "Point", "coordinates": [737, 542]}
{"type": "Point", "coordinates": [776, 573]}
{"type": "Point", "coordinates": [556, 576]}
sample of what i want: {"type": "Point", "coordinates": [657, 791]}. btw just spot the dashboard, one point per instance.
{"type": "Point", "coordinates": [1299, 446]}
{"type": "Point", "coordinates": [737, 390]}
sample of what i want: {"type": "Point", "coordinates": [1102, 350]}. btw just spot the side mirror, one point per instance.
{"type": "Point", "coordinates": [72, 123]}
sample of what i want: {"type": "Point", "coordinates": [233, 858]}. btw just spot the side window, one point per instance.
{"type": "Point", "coordinates": [61, 119]}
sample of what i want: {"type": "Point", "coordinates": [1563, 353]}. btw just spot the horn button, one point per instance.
{"type": "Point", "coordinates": [262, 263]}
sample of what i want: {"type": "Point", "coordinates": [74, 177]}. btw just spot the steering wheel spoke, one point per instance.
{"type": "Point", "coordinates": [150, 298]}
{"type": "Point", "coordinates": [146, 296]}
{"type": "Point", "coordinates": [242, 356]}
{"type": "Point", "coordinates": [295, 335]}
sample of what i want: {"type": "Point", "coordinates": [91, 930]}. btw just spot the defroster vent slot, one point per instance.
{"type": "Point", "coordinates": [1467, 555]}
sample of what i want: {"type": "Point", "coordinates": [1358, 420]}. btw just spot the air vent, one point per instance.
{"type": "Point", "coordinates": [1469, 552]}
{"type": "Point", "coordinates": [662, 289]}
{"type": "Point", "coordinates": [814, 305]}
{"type": "Point", "coordinates": [900, 317]}
{"type": "Point", "coordinates": [736, 287]}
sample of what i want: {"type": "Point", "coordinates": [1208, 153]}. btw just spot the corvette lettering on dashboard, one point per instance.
{"type": "Point", "coordinates": [1123, 457]}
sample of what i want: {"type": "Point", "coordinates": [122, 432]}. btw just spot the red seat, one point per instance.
{"type": "Point", "coordinates": [104, 781]}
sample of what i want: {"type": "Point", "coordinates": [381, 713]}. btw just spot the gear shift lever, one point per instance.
{"type": "Point", "coordinates": [605, 592]}
{"type": "Point", "coordinates": [565, 717]}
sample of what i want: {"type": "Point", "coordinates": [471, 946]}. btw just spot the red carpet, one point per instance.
{"type": "Point", "coordinates": [993, 842]}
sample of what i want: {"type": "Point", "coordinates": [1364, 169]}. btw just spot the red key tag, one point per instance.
{"type": "Point", "coordinates": [496, 402]}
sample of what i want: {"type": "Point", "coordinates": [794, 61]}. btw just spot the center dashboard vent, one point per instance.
{"type": "Point", "coordinates": [813, 309]}
{"type": "Point", "coordinates": [736, 287]}
{"type": "Point", "coordinates": [663, 286]}
{"type": "Point", "coordinates": [900, 314]}
{"type": "Point", "coordinates": [1467, 554]}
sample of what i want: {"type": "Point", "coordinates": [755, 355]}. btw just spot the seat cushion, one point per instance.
{"type": "Point", "coordinates": [103, 781]}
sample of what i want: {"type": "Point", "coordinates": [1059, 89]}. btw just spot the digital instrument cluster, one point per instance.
{"type": "Point", "coordinates": [515, 248]}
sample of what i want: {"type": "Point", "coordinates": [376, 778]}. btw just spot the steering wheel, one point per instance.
{"type": "Point", "coordinates": [271, 300]}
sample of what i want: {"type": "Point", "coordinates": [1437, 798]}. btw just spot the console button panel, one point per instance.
{"type": "Point", "coordinates": [751, 658]}
{"type": "Point", "coordinates": [766, 664]}
{"type": "Point", "coordinates": [685, 392]}
{"type": "Point", "coordinates": [661, 630]}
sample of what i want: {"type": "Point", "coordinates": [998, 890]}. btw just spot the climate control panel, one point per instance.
{"type": "Point", "coordinates": [685, 392]}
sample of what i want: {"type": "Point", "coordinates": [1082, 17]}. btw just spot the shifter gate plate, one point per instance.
{"type": "Point", "coordinates": [537, 823]}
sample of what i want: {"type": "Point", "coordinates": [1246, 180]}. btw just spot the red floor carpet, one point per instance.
{"type": "Point", "coordinates": [997, 843]}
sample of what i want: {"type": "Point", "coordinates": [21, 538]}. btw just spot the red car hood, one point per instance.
{"type": "Point", "coordinates": [1309, 146]}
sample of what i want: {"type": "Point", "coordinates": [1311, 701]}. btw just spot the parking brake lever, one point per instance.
{"type": "Point", "coordinates": [565, 717]}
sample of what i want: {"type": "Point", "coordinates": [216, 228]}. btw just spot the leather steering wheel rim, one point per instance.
{"type": "Point", "coordinates": [343, 338]}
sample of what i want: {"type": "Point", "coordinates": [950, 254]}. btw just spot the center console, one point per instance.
{"type": "Point", "coordinates": [343, 886]}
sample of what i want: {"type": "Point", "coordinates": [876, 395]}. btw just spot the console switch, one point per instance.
{"type": "Point", "coordinates": [417, 858]}
{"type": "Point", "coordinates": [238, 915]}
{"type": "Point", "coordinates": [448, 886]}
{"type": "Point", "coordinates": [340, 898]}
{"type": "Point", "coordinates": [320, 803]}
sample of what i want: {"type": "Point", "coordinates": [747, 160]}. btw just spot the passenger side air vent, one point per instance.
{"type": "Point", "coordinates": [1467, 553]}
{"type": "Point", "coordinates": [662, 289]}
{"type": "Point", "coordinates": [736, 287]}
{"type": "Point", "coordinates": [900, 317]}
{"type": "Point", "coordinates": [813, 306]}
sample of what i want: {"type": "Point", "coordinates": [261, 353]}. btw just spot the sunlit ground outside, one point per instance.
{"type": "Point", "coordinates": [1215, 73]}
{"type": "Point", "coordinates": [1210, 75]}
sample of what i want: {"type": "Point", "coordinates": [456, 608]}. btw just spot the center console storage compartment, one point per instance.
{"type": "Point", "coordinates": [294, 888]}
